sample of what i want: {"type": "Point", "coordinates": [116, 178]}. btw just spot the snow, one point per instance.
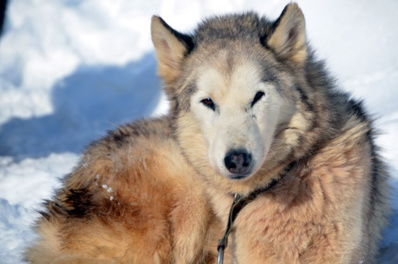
{"type": "Point", "coordinates": [72, 69]}
{"type": "Point", "coordinates": [23, 187]}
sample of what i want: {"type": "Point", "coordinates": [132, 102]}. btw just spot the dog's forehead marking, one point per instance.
{"type": "Point", "coordinates": [246, 76]}
{"type": "Point", "coordinates": [221, 80]}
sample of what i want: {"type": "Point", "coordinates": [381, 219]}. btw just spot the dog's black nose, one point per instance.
{"type": "Point", "coordinates": [238, 161]}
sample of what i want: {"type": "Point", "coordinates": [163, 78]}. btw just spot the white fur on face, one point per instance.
{"type": "Point", "coordinates": [235, 124]}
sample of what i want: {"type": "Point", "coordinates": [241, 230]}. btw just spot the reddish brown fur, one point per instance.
{"type": "Point", "coordinates": [150, 217]}
{"type": "Point", "coordinates": [315, 214]}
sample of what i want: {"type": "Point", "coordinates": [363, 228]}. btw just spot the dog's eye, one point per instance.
{"type": "Point", "coordinates": [257, 97]}
{"type": "Point", "coordinates": [209, 103]}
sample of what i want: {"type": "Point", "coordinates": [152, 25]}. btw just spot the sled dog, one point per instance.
{"type": "Point", "coordinates": [253, 114]}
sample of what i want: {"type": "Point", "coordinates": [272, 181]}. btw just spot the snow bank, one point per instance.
{"type": "Point", "coordinates": [23, 187]}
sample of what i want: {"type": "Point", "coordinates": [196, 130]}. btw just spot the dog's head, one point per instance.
{"type": "Point", "coordinates": [232, 88]}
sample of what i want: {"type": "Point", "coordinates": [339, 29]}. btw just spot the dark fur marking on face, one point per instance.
{"type": "Point", "coordinates": [183, 100]}
{"type": "Point", "coordinates": [268, 76]}
{"type": "Point", "coordinates": [230, 62]}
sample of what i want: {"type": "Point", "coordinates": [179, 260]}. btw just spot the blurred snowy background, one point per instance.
{"type": "Point", "coordinates": [72, 69]}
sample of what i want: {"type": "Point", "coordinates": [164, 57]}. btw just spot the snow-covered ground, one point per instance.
{"type": "Point", "coordinates": [72, 69]}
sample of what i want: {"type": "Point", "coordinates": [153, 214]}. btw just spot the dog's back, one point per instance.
{"type": "Point", "coordinates": [125, 202]}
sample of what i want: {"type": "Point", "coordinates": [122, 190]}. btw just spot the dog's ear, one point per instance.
{"type": "Point", "coordinates": [288, 39]}
{"type": "Point", "coordinates": [171, 48]}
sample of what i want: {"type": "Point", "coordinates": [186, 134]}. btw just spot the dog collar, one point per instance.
{"type": "Point", "coordinates": [238, 204]}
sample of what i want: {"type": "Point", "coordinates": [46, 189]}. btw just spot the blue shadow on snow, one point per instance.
{"type": "Point", "coordinates": [86, 104]}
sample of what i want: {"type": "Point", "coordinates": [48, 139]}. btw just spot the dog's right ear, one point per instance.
{"type": "Point", "coordinates": [171, 48]}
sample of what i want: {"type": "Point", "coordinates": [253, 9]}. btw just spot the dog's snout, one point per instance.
{"type": "Point", "coordinates": [238, 162]}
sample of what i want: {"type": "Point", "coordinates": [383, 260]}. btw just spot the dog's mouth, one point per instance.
{"type": "Point", "coordinates": [238, 177]}
{"type": "Point", "coordinates": [225, 173]}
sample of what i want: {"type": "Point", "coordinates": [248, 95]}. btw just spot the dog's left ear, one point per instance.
{"type": "Point", "coordinates": [288, 39]}
{"type": "Point", "coordinates": [171, 48]}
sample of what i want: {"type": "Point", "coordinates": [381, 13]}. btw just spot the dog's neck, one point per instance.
{"type": "Point", "coordinates": [239, 203]}
{"type": "Point", "coordinates": [253, 195]}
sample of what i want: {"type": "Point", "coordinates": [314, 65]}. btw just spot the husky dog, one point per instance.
{"type": "Point", "coordinates": [253, 114]}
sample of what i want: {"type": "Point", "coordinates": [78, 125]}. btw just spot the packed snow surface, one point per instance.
{"type": "Point", "coordinates": [70, 70]}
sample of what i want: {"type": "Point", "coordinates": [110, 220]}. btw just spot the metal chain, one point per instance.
{"type": "Point", "coordinates": [236, 206]}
